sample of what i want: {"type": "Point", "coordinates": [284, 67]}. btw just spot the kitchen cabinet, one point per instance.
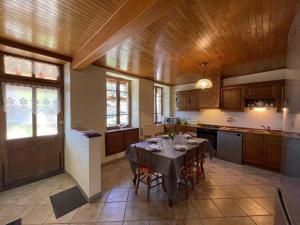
{"type": "Point", "coordinates": [187, 100]}
{"type": "Point", "coordinates": [232, 99]}
{"type": "Point", "coordinates": [263, 90]}
{"type": "Point", "coordinates": [169, 127]}
{"type": "Point", "coordinates": [185, 128]}
{"type": "Point", "coordinates": [280, 95]}
{"type": "Point", "coordinates": [117, 141]}
{"type": "Point", "coordinates": [253, 146]}
{"type": "Point", "coordinates": [263, 150]}
{"type": "Point", "coordinates": [273, 151]}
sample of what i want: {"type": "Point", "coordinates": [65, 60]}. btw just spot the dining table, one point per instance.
{"type": "Point", "coordinates": [167, 160]}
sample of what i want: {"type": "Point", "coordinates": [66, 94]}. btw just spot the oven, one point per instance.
{"type": "Point", "coordinates": [209, 134]}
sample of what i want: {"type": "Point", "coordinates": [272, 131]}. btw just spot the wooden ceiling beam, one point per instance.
{"type": "Point", "coordinates": [28, 48]}
{"type": "Point", "coordinates": [130, 18]}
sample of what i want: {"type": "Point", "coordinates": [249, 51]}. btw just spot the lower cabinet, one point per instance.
{"type": "Point", "coordinates": [185, 128]}
{"type": "Point", "coordinates": [117, 141]}
{"type": "Point", "coordinates": [263, 150]}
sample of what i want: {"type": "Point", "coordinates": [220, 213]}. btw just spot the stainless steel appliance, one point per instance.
{"type": "Point", "coordinates": [230, 146]}
{"type": "Point", "coordinates": [210, 134]}
{"type": "Point", "coordinates": [171, 120]}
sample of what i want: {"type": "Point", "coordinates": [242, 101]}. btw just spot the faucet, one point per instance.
{"type": "Point", "coordinates": [266, 127]}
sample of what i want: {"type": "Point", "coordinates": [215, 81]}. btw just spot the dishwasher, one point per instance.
{"type": "Point", "coordinates": [230, 146]}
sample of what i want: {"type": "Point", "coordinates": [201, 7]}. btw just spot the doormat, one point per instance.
{"type": "Point", "coordinates": [66, 201]}
{"type": "Point", "coordinates": [16, 222]}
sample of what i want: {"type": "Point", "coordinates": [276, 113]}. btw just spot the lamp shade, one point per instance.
{"type": "Point", "coordinates": [203, 84]}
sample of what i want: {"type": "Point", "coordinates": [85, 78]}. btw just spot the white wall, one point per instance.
{"type": "Point", "coordinates": [146, 102]}
{"type": "Point", "coordinates": [249, 118]}
{"type": "Point", "coordinates": [82, 155]}
{"type": "Point", "coordinates": [292, 119]}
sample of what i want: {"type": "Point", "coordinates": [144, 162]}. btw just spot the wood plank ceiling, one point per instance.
{"type": "Point", "coordinates": [235, 37]}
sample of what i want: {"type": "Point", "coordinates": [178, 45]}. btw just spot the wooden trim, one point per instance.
{"type": "Point", "coordinates": [155, 105]}
{"type": "Point", "coordinates": [118, 102]}
{"type": "Point", "coordinates": [32, 49]}
{"type": "Point", "coordinates": [130, 18]}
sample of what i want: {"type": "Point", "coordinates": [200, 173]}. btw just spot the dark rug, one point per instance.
{"type": "Point", "coordinates": [66, 201]}
{"type": "Point", "coordinates": [16, 222]}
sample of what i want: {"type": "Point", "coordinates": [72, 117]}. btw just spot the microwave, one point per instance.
{"type": "Point", "coordinates": [171, 120]}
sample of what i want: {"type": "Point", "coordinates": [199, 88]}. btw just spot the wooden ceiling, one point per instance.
{"type": "Point", "coordinates": [235, 37]}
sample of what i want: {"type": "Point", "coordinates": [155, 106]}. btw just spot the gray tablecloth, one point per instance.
{"type": "Point", "coordinates": [168, 162]}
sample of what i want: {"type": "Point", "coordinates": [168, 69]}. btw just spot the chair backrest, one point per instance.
{"type": "Point", "coordinates": [144, 138]}
{"type": "Point", "coordinates": [143, 157]}
{"type": "Point", "coordinates": [148, 130]}
{"type": "Point", "coordinates": [189, 157]}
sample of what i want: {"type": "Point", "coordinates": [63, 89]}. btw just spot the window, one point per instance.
{"type": "Point", "coordinates": [31, 108]}
{"type": "Point", "coordinates": [22, 102]}
{"type": "Point", "coordinates": [28, 68]}
{"type": "Point", "coordinates": [18, 107]}
{"type": "Point", "coordinates": [158, 110]}
{"type": "Point", "coordinates": [117, 102]}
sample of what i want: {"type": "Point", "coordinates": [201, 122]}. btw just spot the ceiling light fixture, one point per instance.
{"type": "Point", "coordinates": [204, 83]}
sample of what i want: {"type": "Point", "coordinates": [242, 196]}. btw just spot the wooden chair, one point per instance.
{"type": "Point", "coordinates": [159, 134]}
{"type": "Point", "coordinates": [144, 137]}
{"type": "Point", "coordinates": [145, 172]}
{"type": "Point", "coordinates": [199, 163]}
{"type": "Point", "coordinates": [187, 172]}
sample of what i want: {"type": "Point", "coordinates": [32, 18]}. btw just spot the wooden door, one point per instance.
{"type": "Point", "coordinates": [253, 148]}
{"type": "Point", "coordinates": [273, 151]}
{"type": "Point", "coordinates": [193, 100]}
{"type": "Point", "coordinates": [232, 99]}
{"type": "Point", "coordinates": [264, 90]}
{"type": "Point", "coordinates": [131, 137]}
{"type": "Point", "coordinates": [32, 121]}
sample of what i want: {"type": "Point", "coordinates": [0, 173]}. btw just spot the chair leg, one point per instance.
{"type": "Point", "coordinates": [198, 171]}
{"type": "Point", "coordinates": [193, 183]}
{"type": "Point", "coordinates": [202, 167]}
{"type": "Point", "coordinates": [186, 188]}
{"type": "Point", "coordinates": [138, 182]}
{"type": "Point", "coordinates": [149, 186]}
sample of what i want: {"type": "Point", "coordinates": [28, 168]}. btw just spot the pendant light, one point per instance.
{"type": "Point", "coordinates": [204, 83]}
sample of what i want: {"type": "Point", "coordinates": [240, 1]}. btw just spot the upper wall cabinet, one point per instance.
{"type": "Point", "coordinates": [187, 100]}
{"type": "Point", "coordinates": [264, 90]}
{"type": "Point", "coordinates": [232, 99]}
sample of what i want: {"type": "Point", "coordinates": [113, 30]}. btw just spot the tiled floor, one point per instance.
{"type": "Point", "coordinates": [230, 194]}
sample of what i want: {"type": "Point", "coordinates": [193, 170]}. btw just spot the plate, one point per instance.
{"type": "Point", "coordinates": [165, 136]}
{"type": "Point", "coordinates": [152, 140]}
{"type": "Point", "coordinates": [180, 147]}
{"type": "Point", "coordinates": [153, 148]}
{"type": "Point", "coordinates": [192, 142]}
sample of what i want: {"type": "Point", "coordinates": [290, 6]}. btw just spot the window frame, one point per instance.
{"type": "Point", "coordinates": [118, 115]}
{"type": "Point", "coordinates": [11, 78]}
{"type": "Point", "coordinates": [155, 104]}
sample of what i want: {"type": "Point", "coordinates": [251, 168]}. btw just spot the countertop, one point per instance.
{"type": "Point", "coordinates": [248, 130]}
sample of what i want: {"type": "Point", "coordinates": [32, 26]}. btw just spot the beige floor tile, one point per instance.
{"type": "Point", "coordinates": [137, 211]}
{"type": "Point", "coordinates": [159, 210]}
{"type": "Point", "coordinates": [233, 191]}
{"type": "Point", "coordinates": [185, 210]}
{"type": "Point", "coordinates": [88, 213]}
{"type": "Point", "coordinates": [118, 195]}
{"type": "Point", "coordinates": [37, 215]}
{"type": "Point", "coordinates": [112, 211]}
{"type": "Point", "coordinates": [267, 203]}
{"type": "Point", "coordinates": [64, 219]}
{"type": "Point", "coordinates": [163, 222]}
{"type": "Point", "coordinates": [250, 207]}
{"type": "Point", "coordinates": [206, 209]}
{"type": "Point", "coordinates": [263, 220]}
{"type": "Point", "coordinates": [110, 223]}
{"type": "Point", "coordinates": [104, 195]}
{"type": "Point", "coordinates": [216, 192]}
{"type": "Point", "coordinates": [189, 222]}
{"type": "Point", "coordinates": [228, 207]}
{"type": "Point", "coordinates": [215, 221]}
{"type": "Point", "coordinates": [136, 223]}
{"type": "Point", "coordinates": [240, 221]}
